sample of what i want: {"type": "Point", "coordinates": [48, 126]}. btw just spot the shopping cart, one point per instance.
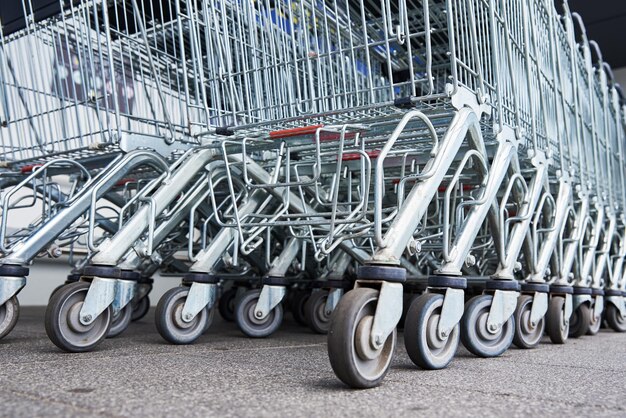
{"type": "Point", "coordinates": [74, 95]}
{"type": "Point", "coordinates": [451, 149]}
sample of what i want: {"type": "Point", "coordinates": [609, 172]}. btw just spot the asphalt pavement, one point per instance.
{"type": "Point", "coordinates": [288, 374]}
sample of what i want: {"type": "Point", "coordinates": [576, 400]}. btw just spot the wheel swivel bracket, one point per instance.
{"type": "Point", "coordinates": [100, 296]}
{"type": "Point", "coordinates": [502, 307]}
{"type": "Point", "coordinates": [451, 311]}
{"type": "Point", "coordinates": [388, 312]}
{"type": "Point", "coordinates": [9, 286]}
{"type": "Point", "coordinates": [200, 296]}
{"type": "Point", "coordinates": [269, 298]}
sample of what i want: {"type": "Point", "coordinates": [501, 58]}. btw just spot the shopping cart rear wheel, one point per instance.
{"type": "Point", "coordinates": [594, 323]}
{"type": "Point", "coordinates": [56, 289]}
{"type": "Point", "coordinates": [169, 320]}
{"type": "Point", "coordinates": [352, 357]}
{"type": "Point", "coordinates": [298, 303]}
{"type": "Point", "coordinates": [557, 326]}
{"type": "Point", "coordinates": [425, 346]}
{"type": "Point", "coordinates": [527, 335]}
{"type": "Point", "coordinates": [140, 309]}
{"type": "Point", "coordinates": [120, 322]}
{"type": "Point", "coordinates": [9, 313]}
{"type": "Point", "coordinates": [62, 320]}
{"type": "Point", "coordinates": [315, 311]}
{"type": "Point", "coordinates": [249, 324]}
{"type": "Point", "coordinates": [614, 319]}
{"type": "Point", "coordinates": [579, 321]}
{"type": "Point", "coordinates": [475, 333]}
{"type": "Point", "coordinates": [226, 304]}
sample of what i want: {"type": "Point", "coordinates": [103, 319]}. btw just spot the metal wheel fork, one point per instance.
{"type": "Point", "coordinates": [598, 306]}
{"type": "Point", "coordinates": [388, 310]}
{"type": "Point", "coordinates": [578, 300]}
{"type": "Point", "coordinates": [105, 292]}
{"type": "Point", "coordinates": [619, 302]}
{"type": "Point", "coordinates": [539, 307]}
{"type": "Point", "coordinates": [124, 294]}
{"type": "Point", "coordinates": [200, 296]}
{"type": "Point", "coordinates": [9, 287]}
{"type": "Point", "coordinates": [100, 296]}
{"type": "Point", "coordinates": [569, 307]}
{"type": "Point", "coordinates": [269, 298]}
{"type": "Point", "coordinates": [502, 308]}
{"type": "Point", "coordinates": [451, 311]}
{"type": "Point", "coordinates": [334, 295]}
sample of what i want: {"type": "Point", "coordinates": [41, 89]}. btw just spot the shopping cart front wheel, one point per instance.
{"type": "Point", "coordinates": [140, 309]}
{"type": "Point", "coordinates": [614, 319]}
{"type": "Point", "coordinates": [425, 345]}
{"type": "Point", "coordinates": [476, 335]}
{"type": "Point", "coordinates": [316, 313]}
{"type": "Point", "coordinates": [527, 333]}
{"type": "Point", "coordinates": [120, 321]}
{"type": "Point", "coordinates": [353, 359]}
{"type": "Point", "coordinates": [246, 316]}
{"type": "Point", "coordinates": [557, 326]}
{"type": "Point", "coordinates": [170, 323]}
{"type": "Point", "coordinates": [9, 312]}
{"type": "Point", "coordinates": [63, 324]}
{"type": "Point", "coordinates": [579, 321]}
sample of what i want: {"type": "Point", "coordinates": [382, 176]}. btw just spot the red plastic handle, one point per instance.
{"type": "Point", "coordinates": [288, 133]}
{"type": "Point", "coordinates": [29, 168]}
{"type": "Point", "coordinates": [355, 155]}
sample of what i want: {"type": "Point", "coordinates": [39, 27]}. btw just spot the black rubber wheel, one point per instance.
{"type": "Point", "coordinates": [63, 324]}
{"type": "Point", "coordinates": [476, 336]}
{"type": "Point", "coordinates": [9, 313]}
{"type": "Point", "coordinates": [169, 321]}
{"type": "Point", "coordinates": [426, 348]}
{"type": "Point", "coordinates": [140, 308]}
{"type": "Point", "coordinates": [557, 326]}
{"type": "Point", "coordinates": [56, 289]}
{"type": "Point", "coordinates": [614, 320]}
{"type": "Point", "coordinates": [352, 357]}
{"type": "Point", "coordinates": [527, 335]}
{"type": "Point", "coordinates": [121, 321]}
{"type": "Point", "coordinates": [579, 321]}
{"type": "Point", "coordinates": [298, 304]}
{"type": "Point", "coordinates": [249, 324]}
{"type": "Point", "coordinates": [594, 323]}
{"type": "Point", "coordinates": [226, 305]}
{"type": "Point", "coordinates": [315, 311]}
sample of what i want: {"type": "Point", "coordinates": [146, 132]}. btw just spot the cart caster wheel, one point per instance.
{"type": "Point", "coordinates": [557, 325]}
{"type": "Point", "coordinates": [426, 348]}
{"type": "Point", "coordinates": [315, 311]}
{"type": "Point", "coordinates": [226, 305]}
{"type": "Point", "coordinates": [527, 335]}
{"type": "Point", "coordinates": [140, 309]}
{"type": "Point", "coordinates": [298, 304]}
{"type": "Point", "coordinates": [475, 334]}
{"type": "Point", "coordinates": [579, 321]}
{"type": "Point", "coordinates": [614, 319]}
{"type": "Point", "coordinates": [63, 325]}
{"type": "Point", "coordinates": [594, 323]}
{"type": "Point", "coordinates": [211, 318]}
{"type": "Point", "coordinates": [56, 289]}
{"type": "Point", "coordinates": [121, 321]}
{"type": "Point", "coordinates": [9, 312]}
{"type": "Point", "coordinates": [352, 357]}
{"type": "Point", "coordinates": [169, 320]}
{"type": "Point", "coordinates": [249, 324]}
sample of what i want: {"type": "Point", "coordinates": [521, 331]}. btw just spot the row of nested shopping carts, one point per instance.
{"type": "Point", "coordinates": [455, 167]}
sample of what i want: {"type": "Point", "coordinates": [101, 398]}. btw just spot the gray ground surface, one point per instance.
{"type": "Point", "coordinates": [225, 374]}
